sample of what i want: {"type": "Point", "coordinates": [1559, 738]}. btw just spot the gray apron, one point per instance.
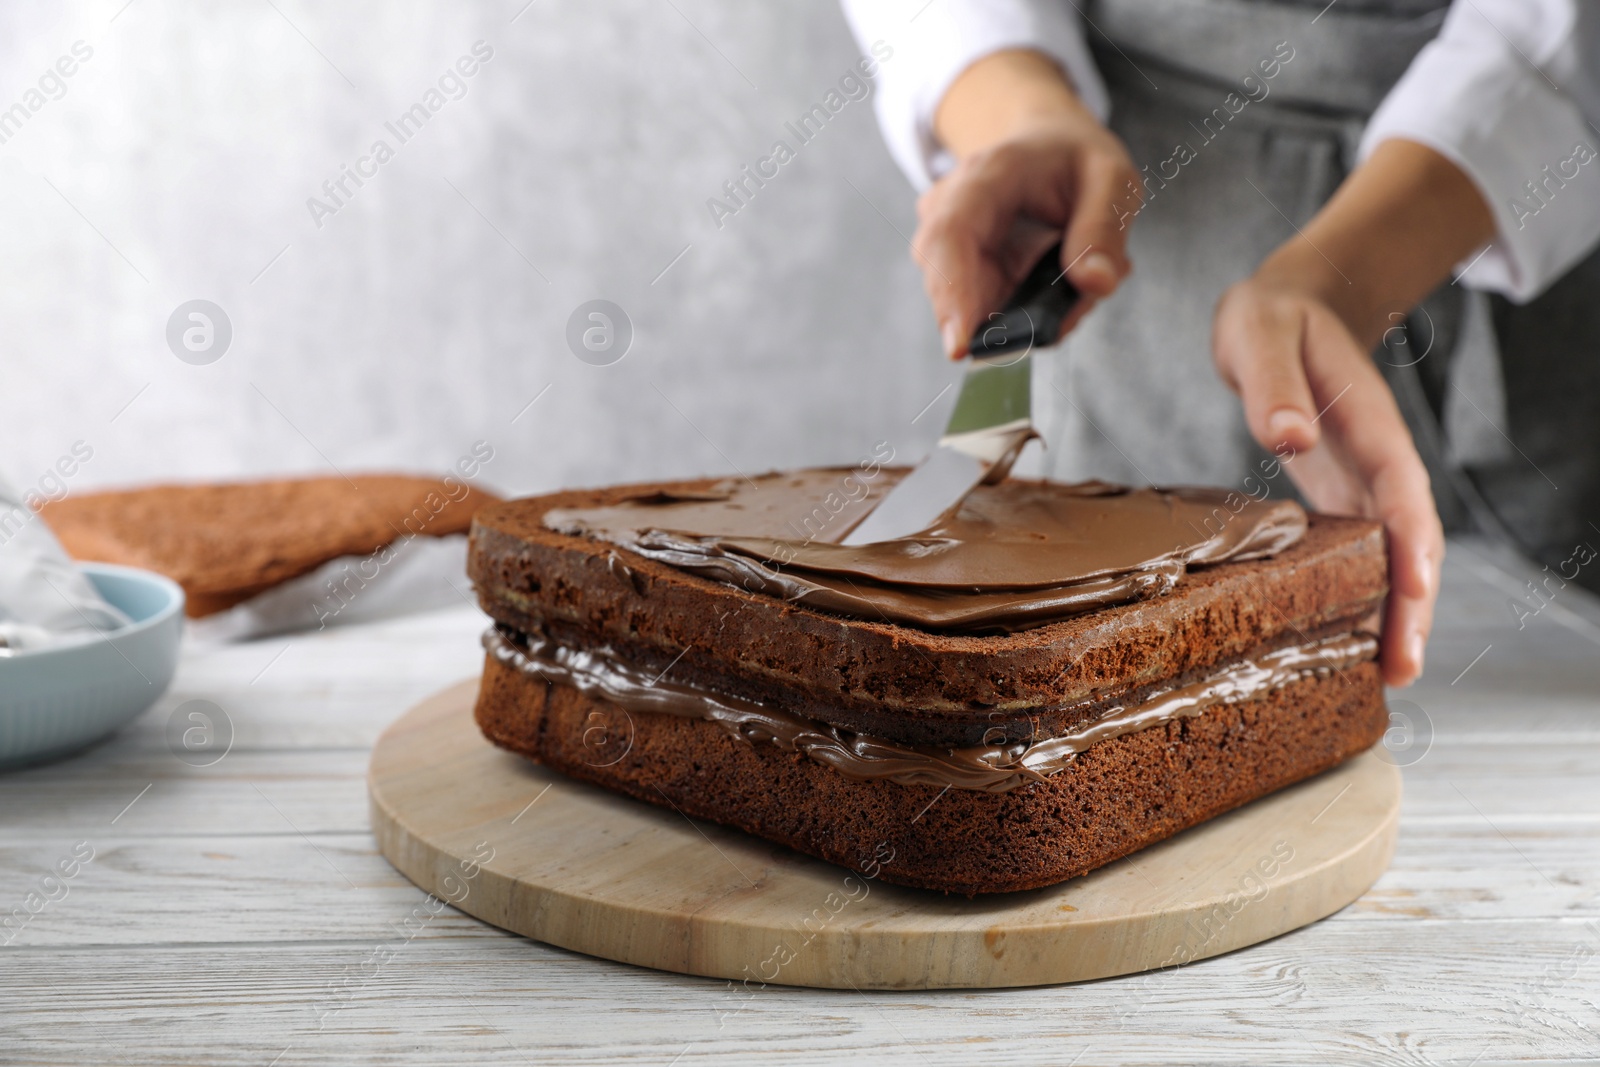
{"type": "Point", "coordinates": [1511, 443]}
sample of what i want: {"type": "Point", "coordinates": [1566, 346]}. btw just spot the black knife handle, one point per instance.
{"type": "Point", "coordinates": [1033, 317]}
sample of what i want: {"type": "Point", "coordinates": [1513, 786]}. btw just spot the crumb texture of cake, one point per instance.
{"type": "Point", "coordinates": [900, 681]}
{"type": "Point", "coordinates": [1051, 678]}
{"type": "Point", "coordinates": [1114, 798]}
{"type": "Point", "coordinates": [226, 542]}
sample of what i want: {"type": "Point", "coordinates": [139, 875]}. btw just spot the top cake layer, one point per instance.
{"type": "Point", "coordinates": [747, 633]}
{"type": "Point", "coordinates": [1013, 556]}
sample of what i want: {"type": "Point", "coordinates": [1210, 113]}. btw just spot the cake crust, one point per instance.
{"type": "Point", "coordinates": [900, 682]}
{"type": "Point", "coordinates": [224, 543]}
{"type": "Point", "coordinates": [1113, 799]}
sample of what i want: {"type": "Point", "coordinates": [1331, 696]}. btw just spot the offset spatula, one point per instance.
{"type": "Point", "coordinates": [993, 417]}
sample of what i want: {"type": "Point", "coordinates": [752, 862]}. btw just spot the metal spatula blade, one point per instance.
{"type": "Point", "coordinates": [993, 416]}
{"type": "Point", "coordinates": [938, 482]}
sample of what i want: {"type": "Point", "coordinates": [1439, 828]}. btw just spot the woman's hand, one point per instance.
{"type": "Point", "coordinates": [1294, 341]}
{"type": "Point", "coordinates": [1035, 167]}
{"type": "Point", "coordinates": [1309, 386]}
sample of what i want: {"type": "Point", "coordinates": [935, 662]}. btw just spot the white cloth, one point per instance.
{"type": "Point", "coordinates": [44, 599]}
{"type": "Point", "coordinates": [1508, 88]}
{"type": "Point", "coordinates": [412, 575]}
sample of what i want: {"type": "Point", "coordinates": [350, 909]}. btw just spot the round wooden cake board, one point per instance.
{"type": "Point", "coordinates": [532, 851]}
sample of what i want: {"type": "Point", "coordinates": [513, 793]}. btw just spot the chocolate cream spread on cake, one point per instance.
{"type": "Point", "coordinates": [985, 768]}
{"type": "Point", "coordinates": [1012, 556]}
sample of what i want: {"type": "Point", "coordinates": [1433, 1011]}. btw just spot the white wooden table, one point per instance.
{"type": "Point", "coordinates": [238, 913]}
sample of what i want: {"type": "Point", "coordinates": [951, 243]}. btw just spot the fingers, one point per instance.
{"type": "Point", "coordinates": [1416, 552]}
{"type": "Point", "coordinates": [1378, 449]}
{"type": "Point", "coordinates": [1094, 251]}
{"type": "Point", "coordinates": [1307, 384]}
{"type": "Point", "coordinates": [962, 223]}
{"type": "Point", "coordinates": [1324, 478]}
{"type": "Point", "coordinates": [1330, 482]}
{"type": "Point", "coordinates": [1257, 341]}
{"type": "Point", "coordinates": [967, 243]}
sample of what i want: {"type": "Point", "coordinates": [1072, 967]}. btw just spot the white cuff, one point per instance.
{"type": "Point", "coordinates": [933, 43]}
{"type": "Point", "coordinates": [1473, 98]}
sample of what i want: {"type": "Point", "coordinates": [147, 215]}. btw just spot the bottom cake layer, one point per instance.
{"type": "Point", "coordinates": [1116, 797]}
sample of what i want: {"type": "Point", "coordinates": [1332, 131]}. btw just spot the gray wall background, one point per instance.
{"type": "Point", "coordinates": [432, 308]}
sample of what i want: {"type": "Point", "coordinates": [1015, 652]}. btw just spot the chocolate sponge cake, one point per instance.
{"type": "Point", "coordinates": [1050, 678]}
{"type": "Point", "coordinates": [226, 542]}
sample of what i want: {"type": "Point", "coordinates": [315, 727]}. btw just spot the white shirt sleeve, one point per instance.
{"type": "Point", "coordinates": [1508, 92]}
{"type": "Point", "coordinates": [934, 41]}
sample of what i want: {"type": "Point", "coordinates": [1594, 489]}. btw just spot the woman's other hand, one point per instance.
{"type": "Point", "coordinates": [1309, 386]}
{"type": "Point", "coordinates": [1294, 341]}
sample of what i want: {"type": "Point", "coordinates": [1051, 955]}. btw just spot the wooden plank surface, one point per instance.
{"type": "Point", "coordinates": [236, 913]}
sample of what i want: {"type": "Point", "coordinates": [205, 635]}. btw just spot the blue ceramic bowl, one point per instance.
{"type": "Point", "coordinates": [54, 701]}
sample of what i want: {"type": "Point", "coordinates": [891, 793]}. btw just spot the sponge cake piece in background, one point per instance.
{"type": "Point", "coordinates": [225, 543]}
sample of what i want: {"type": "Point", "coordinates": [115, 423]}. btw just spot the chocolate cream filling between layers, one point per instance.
{"type": "Point", "coordinates": [1012, 556]}
{"type": "Point", "coordinates": [984, 768]}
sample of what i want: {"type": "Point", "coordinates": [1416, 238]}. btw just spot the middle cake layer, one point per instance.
{"type": "Point", "coordinates": [995, 768]}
